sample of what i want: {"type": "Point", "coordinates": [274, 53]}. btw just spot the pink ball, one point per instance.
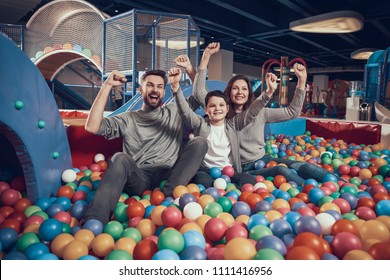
{"type": "Point", "coordinates": [94, 167]}
{"type": "Point", "coordinates": [344, 206]}
{"type": "Point", "coordinates": [354, 172]}
{"type": "Point", "coordinates": [248, 187]}
{"type": "Point", "coordinates": [64, 217]}
{"type": "Point", "coordinates": [228, 170]}
{"type": "Point", "coordinates": [306, 211]}
{"type": "Point", "coordinates": [236, 231]}
{"type": "Point", "coordinates": [327, 191]}
{"type": "Point", "coordinates": [171, 216]}
{"type": "Point", "coordinates": [215, 229]}
{"type": "Point", "coordinates": [33, 220]}
{"type": "Point", "coordinates": [365, 213]}
{"type": "Point", "coordinates": [344, 242]}
{"type": "Point", "coordinates": [259, 178]}
{"type": "Point", "coordinates": [344, 169]}
{"type": "Point", "coordinates": [9, 197]}
{"type": "Point", "coordinates": [133, 222]}
{"type": "Point", "coordinates": [215, 253]}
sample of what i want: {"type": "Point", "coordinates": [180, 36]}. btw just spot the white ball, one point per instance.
{"type": "Point", "coordinates": [326, 221]}
{"type": "Point", "coordinates": [191, 136]}
{"type": "Point", "coordinates": [98, 157]}
{"type": "Point", "coordinates": [192, 210]}
{"type": "Point", "coordinates": [259, 185]}
{"type": "Point", "coordinates": [69, 175]}
{"type": "Point", "coordinates": [220, 183]}
{"type": "Point", "coordinates": [176, 201]}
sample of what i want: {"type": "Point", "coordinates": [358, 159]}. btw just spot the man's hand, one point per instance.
{"type": "Point", "coordinates": [115, 79]}
{"type": "Point", "coordinates": [183, 61]}
{"type": "Point", "coordinates": [174, 76]}
{"type": "Point", "coordinates": [270, 80]}
{"type": "Point", "coordinates": [301, 73]}
{"type": "Point", "coordinates": [211, 49]}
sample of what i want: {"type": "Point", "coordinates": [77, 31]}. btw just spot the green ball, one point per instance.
{"type": "Point", "coordinates": [146, 196]}
{"type": "Point", "coordinates": [41, 124]}
{"type": "Point", "coordinates": [384, 170]}
{"type": "Point", "coordinates": [85, 178]}
{"type": "Point", "coordinates": [132, 233]}
{"type": "Point", "coordinates": [113, 228]}
{"type": "Point", "coordinates": [268, 254]}
{"type": "Point", "coordinates": [350, 216]}
{"type": "Point", "coordinates": [356, 181]}
{"type": "Point", "coordinates": [225, 203]}
{"type": "Point", "coordinates": [335, 195]}
{"type": "Point", "coordinates": [350, 189]}
{"type": "Point", "coordinates": [66, 228]}
{"type": "Point", "coordinates": [73, 185]}
{"type": "Point", "coordinates": [308, 133]}
{"type": "Point", "coordinates": [336, 163]}
{"type": "Point", "coordinates": [259, 231]}
{"type": "Point", "coordinates": [379, 178]}
{"type": "Point", "coordinates": [353, 162]}
{"type": "Point", "coordinates": [55, 155]}
{"type": "Point", "coordinates": [87, 172]}
{"type": "Point", "coordinates": [25, 240]}
{"type": "Point", "coordinates": [162, 184]}
{"type": "Point", "coordinates": [337, 156]}
{"type": "Point", "coordinates": [120, 213]}
{"type": "Point", "coordinates": [213, 209]}
{"type": "Point", "coordinates": [324, 200]}
{"type": "Point", "coordinates": [326, 160]}
{"type": "Point", "coordinates": [19, 104]}
{"type": "Point", "coordinates": [293, 192]}
{"type": "Point", "coordinates": [171, 239]}
{"type": "Point", "coordinates": [43, 214]}
{"type": "Point", "coordinates": [31, 210]}
{"type": "Point", "coordinates": [119, 255]}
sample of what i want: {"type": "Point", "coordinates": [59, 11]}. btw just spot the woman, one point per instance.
{"type": "Point", "coordinates": [252, 140]}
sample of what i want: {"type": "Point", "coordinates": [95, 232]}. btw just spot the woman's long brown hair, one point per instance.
{"type": "Point", "coordinates": [228, 88]}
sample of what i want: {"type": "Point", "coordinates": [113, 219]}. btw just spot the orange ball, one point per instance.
{"type": "Point", "coordinates": [280, 203]}
{"type": "Point", "coordinates": [85, 235]}
{"type": "Point", "coordinates": [59, 243]}
{"type": "Point", "coordinates": [146, 227]}
{"type": "Point", "coordinates": [243, 219]}
{"type": "Point", "coordinates": [145, 249]}
{"type": "Point", "coordinates": [227, 218]}
{"type": "Point", "coordinates": [301, 253]}
{"type": "Point", "coordinates": [310, 240]}
{"type": "Point", "coordinates": [193, 188]}
{"type": "Point", "coordinates": [205, 199]}
{"type": "Point", "coordinates": [179, 191]}
{"type": "Point", "coordinates": [365, 173]}
{"type": "Point", "coordinates": [202, 220]}
{"type": "Point", "coordinates": [279, 179]}
{"type": "Point", "coordinates": [125, 243]}
{"type": "Point", "coordinates": [272, 215]}
{"type": "Point", "coordinates": [155, 216]}
{"type": "Point", "coordinates": [102, 244]}
{"type": "Point", "coordinates": [191, 226]}
{"type": "Point", "coordinates": [156, 197]}
{"type": "Point", "coordinates": [271, 164]}
{"type": "Point", "coordinates": [357, 255]}
{"type": "Point", "coordinates": [239, 249]}
{"type": "Point", "coordinates": [74, 250]}
{"type": "Point", "coordinates": [66, 191]}
{"type": "Point", "coordinates": [343, 226]}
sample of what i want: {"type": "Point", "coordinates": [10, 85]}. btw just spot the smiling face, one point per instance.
{"type": "Point", "coordinates": [239, 93]}
{"type": "Point", "coordinates": [153, 91]}
{"type": "Point", "coordinates": [216, 109]}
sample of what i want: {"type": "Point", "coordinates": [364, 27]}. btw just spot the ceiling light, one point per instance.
{"type": "Point", "coordinates": [334, 22]}
{"type": "Point", "coordinates": [362, 54]}
{"type": "Point", "coordinates": [176, 44]}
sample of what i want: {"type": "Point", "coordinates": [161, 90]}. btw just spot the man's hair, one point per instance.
{"type": "Point", "coordinates": [160, 73]}
{"type": "Point", "coordinates": [216, 93]}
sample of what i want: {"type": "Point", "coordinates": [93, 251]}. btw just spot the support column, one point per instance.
{"type": "Point", "coordinates": [221, 66]}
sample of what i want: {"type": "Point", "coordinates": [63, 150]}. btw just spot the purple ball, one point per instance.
{"type": "Point", "coordinates": [308, 224]}
{"type": "Point", "coordinates": [240, 208]}
{"type": "Point", "coordinates": [272, 242]}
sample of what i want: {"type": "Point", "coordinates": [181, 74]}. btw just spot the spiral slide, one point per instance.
{"type": "Point", "coordinates": [30, 121]}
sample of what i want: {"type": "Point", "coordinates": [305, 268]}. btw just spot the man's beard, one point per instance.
{"type": "Point", "coordinates": [152, 106]}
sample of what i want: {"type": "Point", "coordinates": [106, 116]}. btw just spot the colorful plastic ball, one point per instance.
{"type": "Point", "coordinates": [155, 216]}
{"type": "Point", "coordinates": [280, 227]}
{"type": "Point", "coordinates": [94, 225]}
{"type": "Point", "coordinates": [257, 219]}
{"type": "Point", "coordinates": [132, 233]}
{"type": "Point", "coordinates": [213, 209]}
{"type": "Point", "coordinates": [228, 170]}
{"type": "Point", "coordinates": [220, 183]}
{"type": "Point", "coordinates": [236, 230]}
{"type": "Point", "coordinates": [54, 209]}
{"type": "Point", "coordinates": [382, 208]}
{"type": "Point", "coordinates": [135, 209]}
{"type": "Point", "coordinates": [272, 242]}
{"type": "Point", "coordinates": [268, 254]}
{"type": "Point", "coordinates": [326, 221]}
{"type": "Point", "coordinates": [156, 197]}
{"type": "Point", "coordinates": [171, 216]}
{"type": "Point", "coordinates": [84, 235]}
{"type": "Point", "coordinates": [365, 213]}
{"type": "Point", "coordinates": [194, 238]}
{"type": "Point", "coordinates": [215, 172]}
{"type": "Point", "coordinates": [69, 175]}
{"type": "Point", "coordinates": [344, 242]}
{"type": "Point", "coordinates": [259, 231]}
{"type": "Point", "coordinates": [171, 239]}
{"type": "Point", "coordinates": [357, 255]}
{"type": "Point", "coordinates": [301, 253]}
{"type": "Point", "coordinates": [239, 249]}
{"type": "Point", "coordinates": [260, 164]}
{"type": "Point", "coordinates": [9, 197]}
{"type": "Point", "coordinates": [193, 253]}
{"type": "Point", "coordinates": [192, 210]}
{"type": "Point", "coordinates": [240, 208]}
{"type": "Point", "coordinates": [315, 195]}
{"type": "Point", "coordinates": [308, 224]}
{"type": "Point", "coordinates": [166, 254]}
{"type": "Point", "coordinates": [113, 228]}
{"type": "Point", "coordinates": [185, 199]}
{"type": "Point", "coordinates": [74, 250]}
{"type": "Point", "coordinates": [146, 227]}
{"type": "Point", "coordinates": [15, 255]}
{"type": "Point", "coordinates": [213, 192]}
{"type": "Point", "coordinates": [102, 244]}
{"type": "Point", "coordinates": [78, 209]}
{"type": "Point", "coordinates": [119, 255]}
{"type": "Point", "coordinates": [98, 157]}
{"type": "Point", "coordinates": [380, 251]}
{"type": "Point", "coordinates": [215, 229]}
{"type": "Point", "coordinates": [374, 229]}
{"type": "Point", "coordinates": [49, 229]}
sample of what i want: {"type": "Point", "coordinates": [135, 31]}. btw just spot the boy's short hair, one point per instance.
{"type": "Point", "coordinates": [160, 73]}
{"type": "Point", "coordinates": [216, 93]}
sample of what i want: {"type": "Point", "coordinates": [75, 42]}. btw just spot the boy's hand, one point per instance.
{"type": "Point", "coordinates": [183, 61]}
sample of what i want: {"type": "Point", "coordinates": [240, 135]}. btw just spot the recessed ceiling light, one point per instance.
{"type": "Point", "coordinates": [176, 44]}
{"type": "Point", "coordinates": [362, 54]}
{"type": "Point", "coordinates": [334, 22]}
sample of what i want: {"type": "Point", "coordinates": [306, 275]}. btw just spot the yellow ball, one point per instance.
{"type": "Point", "coordinates": [125, 243]}
{"type": "Point", "coordinates": [192, 188]}
{"type": "Point", "coordinates": [102, 244]}
{"type": "Point", "coordinates": [146, 227]}
{"type": "Point", "coordinates": [179, 191]}
{"type": "Point", "coordinates": [59, 243]}
{"type": "Point", "coordinates": [155, 216]}
{"type": "Point", "coordinates": [86, 236]}
{"type": "Point", "coordinates": [74, 250]}
{"type": "Point", "coordinates": [243, 219]}
{"type": "Point", "coordinates": [357, 255]}
{"type": "Point", "coordinates": [329, 206]}
{"type": "Point", "coordinates": [227, 218]}
{"type": "Point", "coordinates": [202, 220]}
{"type": "Point", "coordinates": [374, 229]}
{"type": "Point", "coordinates": [280, 203]}
{"type": "Point", "coordinates": [205, 199]}
{"type": "Point", "coordinates": [272, 215]}
{"type": "Point", "coordinates": [191, 226]}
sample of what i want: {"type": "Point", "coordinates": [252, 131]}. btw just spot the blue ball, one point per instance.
{"type": "Point", "coordinates": [226, 178]}
{"type": "Point", "coordinates": [315, 195]}
{"type": "Point", "coordinates": [308, 224]}
{"type": "Point", "coordinates": [185, 199]}
{"type": "Point", "coordinates": [262, 206]}
{"type": "Point", "coordinates": [78, 209]}
{"type": "Point", "coordinates": [194, 238]}
{"type": "Point", "coordinates": [292, 218]}
{"type": "Point", "coordinates": [64, 201]}
{"type": "Point", "coordinates": [329, 178]}
{"type": "Point", "coordinates": [280, 227]}
{"type": "Point", "coordinates": [298, 205]}
{"type": "Point", "coordinates": [283, 195]}
{"type": "Point", "coordinates": [166, 254]}
{"type": "Point", "coordinates": [215, 172]}
{"type": "Point", "coordinates": [257, 219]}
{"type": "Point", "coordinates": [35, 250]}
{"type": "Point", "coordinates": [94, 225]}
{"type": "Point", "coordinates": [272, 242]}
{"type": "Point", "coordinates": [43, 203]}
{"type": "Point", "coordinates": [260, 164]}
{"type": "Point", "coordinates": [240, 208]}
{"type": "Point", "coordinates": [49, 229]}
{"type": "Point", "coordinates": [329, 257]}
{"type": "Point", "coordinates": [15, 255]}
{"type": "Point", "coordinates": [48, 257]}
{"type": "Point", "coordinates": [148, 210]}
{"type": "Point", "coordinates": [383, 208]}
{"type": "Point", "coordinates": [8, 238]}
{"type": "Point", "coordinates": [87, 258]}
{"type": "Point", "coordinates": [213, 192]}
{"type": "Point", "coordinates": [233, 194]}
{"type": "Point", "coordinates": [350, 198]}
{"type": "Point", "coordinates": [54, 209]}
{"type": "Point", "coordinates": [193, 253]}
{"type": "Point", "coordinates": [311, 182]}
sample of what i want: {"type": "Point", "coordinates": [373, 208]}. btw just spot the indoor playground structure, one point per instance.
{"type": "Point", "coordinates": [51, 167]}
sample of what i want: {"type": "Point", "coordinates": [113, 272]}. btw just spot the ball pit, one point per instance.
{"type": "Point", "coordinates": [344, 216]}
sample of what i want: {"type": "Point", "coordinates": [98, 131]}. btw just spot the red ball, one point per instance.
{"type": "Point", "coordinates": [248, 188]}
{"type": "Point", "coordinates": [365, 213]}
{"type": "Point", "coordinates": [236, 230]}
{"type": "Point", "coordinates": [66, 191]}
{"type": "Point", "coordinates": [94, 167]}
{"type": "Point", "coordinates": [344, 169]}
{"type": "Point", "coordinates": [4, 186]}
{"type": "Point", "coordinates": [228, 171]}
{"type": "Point", "coordinates": [9, 197]}
{"type": "Point", "coordinates": [102, 164]}
{"type": "Point", "coordinates": [79, 195]}
{"type": "Point", "coordinates": [135, 209]}
{"type": "Point", "coordinates": [259, 178]}
{"type": "Point", "coordinates": [157, 197]}
{"type": "Point", "coordinates": [145, 249]}
{"type": "Point", "coordinates": [215, 229]}
{"type": "Point", "coordinates": [64, 217]}
{"type": "Point", "coordinates": [18, 183]}
{"type": "Point", "coordinates": [279, 179]}
{"type": "Point", "coordinates": [310, 240]}
{"type": "Point", "coordinates": [171, 216]}
{"type": "Point", "coordinates": [354, 172]}
{"type": "Point", "coordinates": [22, 204]}
{"type": "Point", "coordinates": [344, 206]}
{"type": "Point", "coordinates": [380, 251]}
{"type": "Point", "coordinates": [344, 242]}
